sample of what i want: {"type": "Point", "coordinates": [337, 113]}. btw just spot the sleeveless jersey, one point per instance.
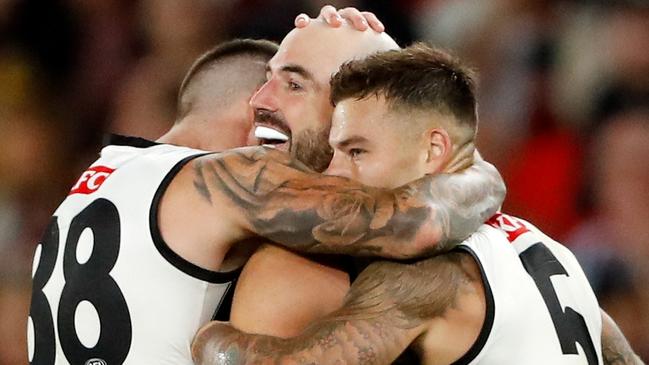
{"type": "Point", "coordinates": [540, 306]}
{"type": "Point", "coordinates": [107, 290]}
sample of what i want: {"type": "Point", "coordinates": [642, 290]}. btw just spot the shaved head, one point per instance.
{"type": "Point", "coordinates": [221, 84]}
{"type": "Point", "coordinates": [220, 77]}
{"type": "Point", "coordinates": [213, 109]}
{"type": "Point", "coordinates": [326, 48]}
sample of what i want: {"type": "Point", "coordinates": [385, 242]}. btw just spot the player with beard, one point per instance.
{"type": "Point", "coordinates": [293, 113]}
{"type": "Point", "coordinates": [139, 255]}
{"type": "Point", "coordinates": [507, 295]}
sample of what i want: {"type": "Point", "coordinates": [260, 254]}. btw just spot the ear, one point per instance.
{"type": "Point", "coordinates": [439, 149]}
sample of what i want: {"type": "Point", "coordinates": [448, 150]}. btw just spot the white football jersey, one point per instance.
{"type": "Point", "coordinates": [107, 290]}
{"type": "Point", "coordinates": [540, 306]}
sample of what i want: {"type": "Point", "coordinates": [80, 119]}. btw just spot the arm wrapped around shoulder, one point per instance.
{"type": "Point", "coordinates": [281, 199]}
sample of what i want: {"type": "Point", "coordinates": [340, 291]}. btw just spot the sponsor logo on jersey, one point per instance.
{"type": "Point", "coordinates": [91, 180]}
{"type": "Point", "coordinates": [96, 361]}
{"type": "Point", "coordinates": [508, 224]}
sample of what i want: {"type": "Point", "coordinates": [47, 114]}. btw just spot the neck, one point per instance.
{"type": "Point", "coordinates": [180, 135]}
{"type": "Point", "coordinates": [462, 158]}
{"type": "Point", "coordinates": [198, 132]}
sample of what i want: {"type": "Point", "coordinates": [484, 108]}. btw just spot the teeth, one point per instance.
{"type": "Point", "coordinates": [262, 132]}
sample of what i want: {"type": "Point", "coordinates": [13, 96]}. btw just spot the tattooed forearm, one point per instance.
{"type": "Point", "coordinates": [352, 342]}
{"type": "Point", "coordinates": [286, 202]}
{"type": "Point", "coordinates": [615, 348]}
{"type": "Point", "coordinates": [386, 309]}
{"type": "Point", "coordinates": [345, 339]}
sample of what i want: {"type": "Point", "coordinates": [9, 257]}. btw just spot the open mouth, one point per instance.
{"type": "Point", "coordinates": [271, 137]}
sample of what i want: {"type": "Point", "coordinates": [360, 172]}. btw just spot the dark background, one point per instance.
{"type": "Point", "coordinates": [563, 103]}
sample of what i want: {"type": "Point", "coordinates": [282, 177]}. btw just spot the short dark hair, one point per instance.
{"type": "Point", "coordinates": [419, 76]}
{"type": "Point", "coordinates": [261, 48]}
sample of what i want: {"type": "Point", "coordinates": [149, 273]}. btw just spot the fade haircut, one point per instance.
{"type": "Point", "coordinates": [232, 50]}
{"type": "Point", "coordinates": [420, 77]}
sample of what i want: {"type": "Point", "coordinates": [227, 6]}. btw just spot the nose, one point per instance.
{"type": "Point", "coordinates": [338, 166]}
{"type": "Point", "coordinates": [265, 97]}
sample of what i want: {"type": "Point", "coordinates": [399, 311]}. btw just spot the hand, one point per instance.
{"type": "Point", "coordinates": [335, 18]}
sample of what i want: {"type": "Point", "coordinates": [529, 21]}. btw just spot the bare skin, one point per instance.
{"type": "Point", "coordinates": [429, 304]}
{"type": "Point", "coordinates": [446, 336]}
{"type": "Point", "coordinates": [242, 194]}
{"type": "Point", "coordinates": [262, 191]}
{"type": "Point", "coordinates": [387, 308]}
{"type": "Point", "coordinates": [615, 348]}
{"type": "Point", "coordinates": [390, 304]}
{"type": "Point", "coordinates": [290, 296]}
{"type": "Point", "coordinates": [436, 304]}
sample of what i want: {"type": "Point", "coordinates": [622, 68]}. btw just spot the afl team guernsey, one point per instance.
{"type": "Point", "coordinates": [107, 290]}
{"type": "Point", "coordinates": [540, 306]}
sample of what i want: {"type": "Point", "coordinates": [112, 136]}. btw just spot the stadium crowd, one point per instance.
{"type": "Point", "coordinates": [564, 103]}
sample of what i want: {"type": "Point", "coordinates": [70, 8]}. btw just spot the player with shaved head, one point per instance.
{"type": "Point", "coordinates": [147, 245]}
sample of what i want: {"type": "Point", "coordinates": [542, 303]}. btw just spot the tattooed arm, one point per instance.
{"type": "Point", "coordinates": [615, 348]}
{"type": "Point", "coordinates": [387, 308]}
{"type": "Point", "coordinates": [273, 196]}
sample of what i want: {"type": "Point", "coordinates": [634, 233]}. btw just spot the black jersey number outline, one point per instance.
{"type": "Point", "coordinates": [569, 325]}
{"type": "Point", "coordinates": [90, 281]}
{"type": "Point", "coordinates": [40, 310]}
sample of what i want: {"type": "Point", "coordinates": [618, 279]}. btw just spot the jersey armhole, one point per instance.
{"type": "Point", "coordinates": [487, 326]}
{"type": "Point", "coordinates": [163, 248]}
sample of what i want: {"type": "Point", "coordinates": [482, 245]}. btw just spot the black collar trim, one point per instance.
{"type": "Point", "coordinates": [120, 140]}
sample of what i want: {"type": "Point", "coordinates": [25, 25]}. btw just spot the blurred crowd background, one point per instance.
{"type": "Point", "coordinates": [564, 113]}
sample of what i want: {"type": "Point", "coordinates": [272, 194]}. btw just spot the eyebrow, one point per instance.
{"type": "Point", "coordinates": [293, 68]}
{"type": "Point", "coordinates": [351, 140]}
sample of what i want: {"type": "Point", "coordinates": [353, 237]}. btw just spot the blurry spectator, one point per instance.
{"type": "Point", "coordinates": [14, 304]}
{"type": "Point", "coordinates": [46, 33]}
{"type": "Point", "coordinates": [613, 245]}
{"type": "Point", "coordinates": [397, 16]}
{"type": "Point", "coordinates": [590, 66]}
{"type": "Point", "coordinates": [604, 66]}
{"type": "Point", "coordinates": [33, 172]}
{"type": "Point", "coordinates": [176, 33]}
{"type": "Point", "coordinates": [105, 52]}
{"type": "Point", "coordinates": [627, 48]}
{"type": "Point", "coordinates": [583, 64]}
{"type": "Point", "coordinates": [513, 44]}
{"type": "Point", "coordinates": [277, 16]}
{"type": "Point", "coordinates": [543, 172]}
{"type": "Point", "coordinates": [270, 19]}
{"type": "Point", "coordinates": [32, 175]}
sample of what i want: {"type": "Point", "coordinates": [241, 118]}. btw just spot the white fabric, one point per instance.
{"type": "Point", "coordinates": [523, 331]}
{"type": "Point", "coordinates": [166, 305]}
